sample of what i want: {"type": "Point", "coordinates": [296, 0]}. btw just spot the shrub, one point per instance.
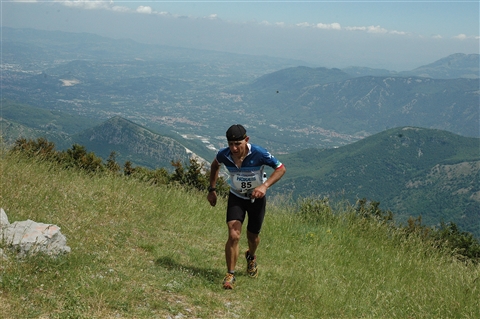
{"type": "Point", "coordinates": [371, 210]}
{"type": "Point", "coordinates": [462, 244]}
{"type": "Point", "coordinates": [316, 210]}
{"type": "Point", "coordinates": [41, 148]}
{"type": "Point", "coordinates": [77, 156]}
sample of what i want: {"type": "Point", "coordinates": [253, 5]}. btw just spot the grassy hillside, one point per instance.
{"type": "Point", "coordinates": [157, 252]}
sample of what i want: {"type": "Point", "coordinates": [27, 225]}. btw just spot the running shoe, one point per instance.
{"type": "Point", "coordinates": [229, 281]}
{"type": "Point", "coordinates": [252, 269]}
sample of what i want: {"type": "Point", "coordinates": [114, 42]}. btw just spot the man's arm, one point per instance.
{"type": "Point", "coordinates": [214, 170]}
{"type": "Point", "coordinates": [261, 190]}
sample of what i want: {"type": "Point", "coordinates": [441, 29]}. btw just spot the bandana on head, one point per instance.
{"type": "Point", "coordinates": [236, 132]}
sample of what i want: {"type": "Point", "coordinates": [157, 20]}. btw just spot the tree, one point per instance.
{"type": "Point", "coordinates": [112, 164]}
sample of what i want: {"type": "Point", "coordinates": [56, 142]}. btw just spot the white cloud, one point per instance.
{"type": "Point", "coordinates": [331, 26]}
{"type": "Point", "coordinates": [376, 29]}
{"type": "Point", "coordinates": [90, 4]}
{"type": "Point", "coordinates": [85, 4]}
{"type": "Point", "coordinates": [120, 9]}
{"type": "Point", "coordinates": [111, 6]}
{"type": "Point", "coordinates": [304, 25]}
{"type": "Point", "coordinates": [144, 9]}
{"type": "Point", "coordinates": [463, 36]}
{"type": "Point", "coordinates": [356, 28]}
{"type": "Point", "coordinates": [370, 29]}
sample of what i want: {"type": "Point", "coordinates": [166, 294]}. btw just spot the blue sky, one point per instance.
{"type": "Point", "coordinates": [396, 35]}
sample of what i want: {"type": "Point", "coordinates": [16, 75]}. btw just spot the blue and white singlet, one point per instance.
{"type": "Point", "coordinates": [243, 180]}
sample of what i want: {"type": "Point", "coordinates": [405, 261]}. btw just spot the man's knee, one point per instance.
{"type": "Point", "coordinates": [234, 230]}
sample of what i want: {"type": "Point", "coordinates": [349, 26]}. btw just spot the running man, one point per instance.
{"type": "Point", "coordinates": [245, 163]}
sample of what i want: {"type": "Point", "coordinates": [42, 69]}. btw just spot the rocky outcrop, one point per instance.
{"type": "Point", "coordinates": [28, 237]}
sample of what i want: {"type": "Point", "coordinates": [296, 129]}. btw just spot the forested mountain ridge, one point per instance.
{"type": "Point", "coordinates": [134, 143]}
{"type": "Point", "coordinates": [130, 141]}
{"type": "Point", "coordinates": [411, 171]}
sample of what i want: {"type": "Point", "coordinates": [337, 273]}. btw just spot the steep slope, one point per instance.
{"type": "Point", "coordinates": [43, 119]}
{"type": "Point", "coordinates": [143, 251]}
{"type": "Point", "coordinates": [10, 131]}
{"type": "Point", "coordinates": [411, 171]}
{"type": "Point", "coordinates": [134, 143]}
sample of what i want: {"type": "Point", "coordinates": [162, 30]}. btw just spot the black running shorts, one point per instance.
{"type": "Point", "coordinates": [238, 208]}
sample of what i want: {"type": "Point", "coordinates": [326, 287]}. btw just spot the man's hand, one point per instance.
{"type": "Point", "coordinates": [212, 198]}
{"type": "Point", "coordinates": [259, 191]}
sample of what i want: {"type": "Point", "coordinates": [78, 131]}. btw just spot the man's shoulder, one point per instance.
{"type": "Point", "coordinates": [223, 150]}
{"type": "Point", "coordinates": [257, 148]}
{"type": "Point", "coordinates": [223, 153]}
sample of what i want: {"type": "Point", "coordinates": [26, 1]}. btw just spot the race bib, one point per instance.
{"type": "Point", "coordinates": [245, 182]}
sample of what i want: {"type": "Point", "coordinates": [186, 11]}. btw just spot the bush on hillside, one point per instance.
{"type": "Point", "coordinates": [112, 164]}
{"type": "Point", "coordinates": [77, 156]}
{"type": "Point", "coordinates": [317, 211]}
{"type": "Point", "coordinates": [371, 210]}
{"type": "Point", "coordinates": [41, 148]}
{"type": "Point", "coordinates": [462, 244]}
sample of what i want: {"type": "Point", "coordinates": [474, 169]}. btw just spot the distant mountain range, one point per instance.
{"type": "Point", "coordinates": [287, 105]}
{"type": "Point", "coordinates": [309, 99]}
{"type": "Point", "coordinates": [454, 66]}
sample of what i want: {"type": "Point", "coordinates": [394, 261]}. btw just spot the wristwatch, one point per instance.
{"type": "Point", "coordinates": [211, 189]}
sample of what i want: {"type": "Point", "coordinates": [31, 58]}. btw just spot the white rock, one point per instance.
{"type": "Point", "coordinates": [29, 237]}
{"type": "Point", "coordinates": [3, 219]}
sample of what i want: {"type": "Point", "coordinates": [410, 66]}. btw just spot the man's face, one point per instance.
{"type": "Point", "coordinates": [238, 147]}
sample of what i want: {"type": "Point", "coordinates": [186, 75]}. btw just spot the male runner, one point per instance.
{"type": "Point", "coordinates": [245, 163]}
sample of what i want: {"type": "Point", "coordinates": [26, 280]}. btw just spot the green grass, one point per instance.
{"type": "Point", "coordinates": [143, 251]}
